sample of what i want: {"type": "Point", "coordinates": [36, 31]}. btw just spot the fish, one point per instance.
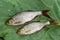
{"type": "Point", "coordinates": [24, 17]}
{"type": "Point", "coordinates": [34, 27]}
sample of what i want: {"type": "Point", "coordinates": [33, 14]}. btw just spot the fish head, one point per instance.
{"type": "Point", "coordinates": [13, 22]}
{"type": "Point", "coordinates": [10, 22]}
{"type": "Point", "coordinates": [23, 31]}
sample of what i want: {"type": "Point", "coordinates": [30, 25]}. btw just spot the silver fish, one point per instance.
{"type": "Point", "coordinates": [34, 27]}
{"type": "Point", "coordinates": [24, 17]}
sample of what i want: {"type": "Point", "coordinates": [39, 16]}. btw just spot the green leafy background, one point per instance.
{"type": "Point", "coordinates": [9, 8]}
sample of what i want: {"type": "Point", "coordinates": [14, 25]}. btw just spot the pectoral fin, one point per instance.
{"type": "Point", "coordinates": [18, 22]}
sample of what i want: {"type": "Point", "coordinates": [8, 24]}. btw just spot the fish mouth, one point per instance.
{"type": "Point", "coordinates": [9, 22]}
{"type": "Point", "coordinates": [21, 31]}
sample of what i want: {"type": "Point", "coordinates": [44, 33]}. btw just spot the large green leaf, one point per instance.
{"type": "Point", "coordinates": [9, 8]}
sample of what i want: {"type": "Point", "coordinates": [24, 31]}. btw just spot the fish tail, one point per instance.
{"type": "Point", "coordinates": [53, 22]}
{"type": "Point", "coordinates": [45, 13]}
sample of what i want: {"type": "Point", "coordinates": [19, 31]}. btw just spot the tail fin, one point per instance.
{"type": "Point", "coordinates": [53, 22]}
{"type": "Point", "coordinates": [45, 13]}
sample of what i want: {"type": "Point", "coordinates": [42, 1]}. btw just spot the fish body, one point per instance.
{"type": "Point", "coordinates": [32, 27]}
{"type": "Point", "coordinates": [24, 17]}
